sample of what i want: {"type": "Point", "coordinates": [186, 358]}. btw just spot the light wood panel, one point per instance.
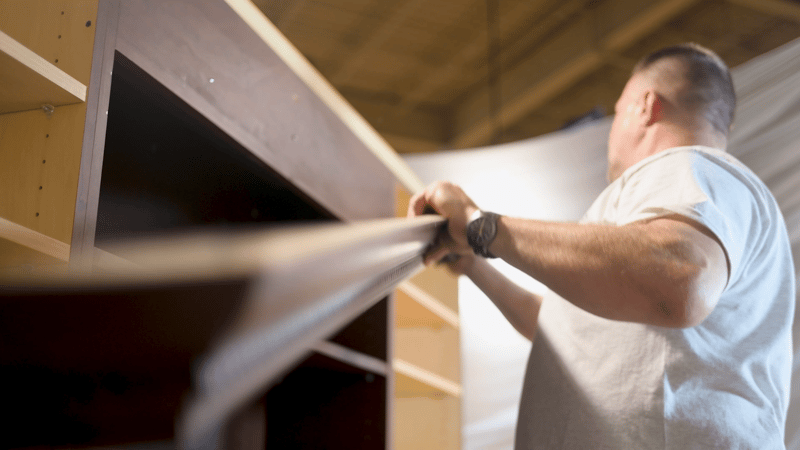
{"type": "Point", "coordinates": [435, 350]}
{"type": "Point", "coordinates": [416, 308]}
{"type": "Point", "coordinates": [401, 197]}
{"type": "Point", "coordinates": [28, 81]}
{"type": "Point", "coordinates": [414, 381]}
{"type": "Point", "coordinates": [23, 250]}
{"type": "Point", "coordinates": [424, 423]}
{"type": "Point", "coordinates": [440, 283]}
{"type": "Point", "coordinates": [60, 31]}
{"type": "Point", "coordinates": [39, 167]}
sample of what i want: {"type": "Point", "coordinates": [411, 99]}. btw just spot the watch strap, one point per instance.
{"type": "Point", "coordinates": [481, 231]}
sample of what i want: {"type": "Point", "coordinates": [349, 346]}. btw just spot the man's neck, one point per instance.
{"type": "Point", "coordinates": [666, 136]}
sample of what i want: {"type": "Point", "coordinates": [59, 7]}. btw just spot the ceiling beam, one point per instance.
{"type": "Point", "coordinates": [428, 124]}
{"type": "Point", "coordinates": [384, 33]}
{"type": "Point", "coordinates": [411, 144]}
{"type": "Point", "coordinates": [779, 8]}
{"type": "Point", "coordinates": [526, 95]}
{"type": "Point", "coordinates": [516, 18]}
{"type": "Point", "coordinates": [291, 13]}
{"type": "Point", "coordinates": [326, 93]}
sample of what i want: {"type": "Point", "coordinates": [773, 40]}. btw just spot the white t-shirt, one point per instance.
{"type": "Point", "coordinates": [593, 383]}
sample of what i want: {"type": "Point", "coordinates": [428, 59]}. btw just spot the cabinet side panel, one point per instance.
{"type": "Point", "coordinates": [39, 165]}
{"type": "Point", "coordinates": [427, 423]}
{"type": "Point", "coordinates": [208, 56]}
{"type": "Point", "coordinates": [60, 31]}
{"type": "Point", "coordinates": [435, 350]}
{"type": "Point", "coordinates": [94, 132]}
{"type": "Point", "coordinates": [439, 282]}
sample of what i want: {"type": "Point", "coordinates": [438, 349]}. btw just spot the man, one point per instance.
{"type": "Point", "coordinates": [669, 326]}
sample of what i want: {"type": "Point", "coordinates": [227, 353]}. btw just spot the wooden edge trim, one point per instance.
{"type": "Point", "coordinates": [94, 131]}
{"type": "Point", "coordinates": [351, 357]}
{"type": "Point", "coordinates": [34, 240]}
{"type": "Point", "coordinates": [43, 67]}
{"type": "Point", "coordinates": [283, 317]}
{"type": "Point", "coordinates": [426, 377]}
{"type": "Point", "coordinates": [270, 34]}
{"type": "Point", "coordinates": [430, 303]}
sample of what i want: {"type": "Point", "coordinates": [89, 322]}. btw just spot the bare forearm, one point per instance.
{"type": "Point", "coordinates": [668, 271]}
{"type": "Point", "coordinates": [623, 273]}
{"type": "Point", "coordinates": [519, 306]}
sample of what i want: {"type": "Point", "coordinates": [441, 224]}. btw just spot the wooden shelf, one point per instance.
{"type": "Point", "coordinates": [351, 357]}
{"type": "Point", "coordinates": [414, 381]}
{"type": "Point", "coordinates": [292, 57]}
{"type": "Point", "coordinates": [28, 81]}
{"type": "Point", "coordinates": [20, 246]}
{"type": "Point", "coordinates": [439, 283]}
{"type": "Point", "coordinates": [415, 308]}
{"type": "Point", "coordinates": [427, 423]}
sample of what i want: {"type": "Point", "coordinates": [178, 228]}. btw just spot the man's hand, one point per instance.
{"type": "Point", "coordinates": [451, 202]}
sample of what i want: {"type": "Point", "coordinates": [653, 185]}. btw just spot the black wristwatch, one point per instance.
{"type": "Point", "coordinates": [481, 231]}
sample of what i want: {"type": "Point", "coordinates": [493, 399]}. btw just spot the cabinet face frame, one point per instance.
{"type": "Point", "coordinates": [82, 251]}
{"type": "Point", "coordinates": [179, 43]}
{"type": "Point", "coordinates": [426, 409]}
{"type": "Point", "coordinates": [209, 57]}
{"type": "Point", "coordinates": [359, 171]}
{"type": "Point", "coordinates": [47, 46]}
{"type": "Point", "coordinates": [147, 32]}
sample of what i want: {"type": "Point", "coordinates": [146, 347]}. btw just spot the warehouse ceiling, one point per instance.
{"type": "Point", "coordinates": [450, 74]}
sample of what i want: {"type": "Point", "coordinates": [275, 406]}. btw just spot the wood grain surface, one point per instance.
{"type": "Point", "coordinates": [207, 56]}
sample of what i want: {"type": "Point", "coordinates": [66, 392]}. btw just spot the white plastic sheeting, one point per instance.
{"type": "Point", "coordinates": [556, 177]}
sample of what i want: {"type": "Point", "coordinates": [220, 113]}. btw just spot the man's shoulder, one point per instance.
{"type": "Point", "coordinates": [686, 155]}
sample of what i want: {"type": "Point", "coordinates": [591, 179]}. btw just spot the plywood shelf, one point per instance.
{"type": "Point", "coordinates": [414, 381]}
{"type": "Point", "coordinates": [351, 357]}
{"type": "Point", "coordinates": [20, 246]}
{"type": "Point", "coordinates": [415, 308]}
{"type": "Point", "coordinates": [439, 283]}
{"type": "Point", "coordinates": [28, 81]}
{"type": "Point", "coordinates": [427, 423]}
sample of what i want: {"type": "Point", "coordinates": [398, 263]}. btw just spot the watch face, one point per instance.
{"type": "Point", "coordinates": [487, 230]}
{"type": "Point", "coordinates": [481, 233]}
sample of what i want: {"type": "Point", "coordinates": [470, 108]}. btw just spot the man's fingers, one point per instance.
{"type": "Point", "coordinates": [417, 204]}
{"type": "Point", "coordinates": [436, 256]}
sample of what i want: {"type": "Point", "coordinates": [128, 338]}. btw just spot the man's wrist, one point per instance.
{"type": "Point", "coordinates": [481, 231]}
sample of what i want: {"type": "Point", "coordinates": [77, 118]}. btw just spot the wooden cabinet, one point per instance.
{"type": "Point", "coordinates": [128, 119]}
{"type": "Point", "coordinates": [45, 64]}
{"type": "Point", "coordinates": [427, 358]}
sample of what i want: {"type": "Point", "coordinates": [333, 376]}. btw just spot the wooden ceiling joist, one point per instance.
{"type": "Point", "coordinates": [303, 69]}
{"type": "Point", "coordinates": [530, 96]}
{"type": "Point", "coordinates": [352, 63]}
{"type": "Point", "coordinates": [291, 13]}
{"type": "Point", "coordinates": [780, 8]}
{"type": "Point", "coordinates": [476, 49]}
{"type": "Point", "coordinates": [417, 71]}
{"type": "Point", "coordinates": [411, 144]}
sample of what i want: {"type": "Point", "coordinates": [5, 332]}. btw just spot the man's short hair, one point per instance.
{"type": "Point", "coordinates": [709, 85]}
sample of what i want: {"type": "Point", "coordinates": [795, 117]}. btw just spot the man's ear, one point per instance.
{"type": "Point", "coordinates": [653, 107]}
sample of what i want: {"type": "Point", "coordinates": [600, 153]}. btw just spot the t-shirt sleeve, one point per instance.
{"type": "Point", "coordinates": [711, 192]}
